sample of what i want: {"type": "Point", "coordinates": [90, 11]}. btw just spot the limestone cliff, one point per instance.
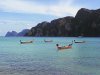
{"type": "Point", "coordinates": [85, 23]}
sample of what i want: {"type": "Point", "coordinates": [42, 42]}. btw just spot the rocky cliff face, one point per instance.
{"type": "Point", "coordinates": [37, 30]}
{"type": "Point", "coordinates": [54, 28]}
{"type": "Point", "coordinates": [14, 33]}
{"type": "Point", "coordinates": [86, 23]}
{"type": "Point", "coordinates": [22, 33]}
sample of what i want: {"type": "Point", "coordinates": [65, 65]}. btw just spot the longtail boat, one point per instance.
{"type": "Point", "coordinates": [26, 41]}
{"type": "Point", "coordinates": [48, 41]}
{"type": "Point", "coordinates": [64, 47]}
{"type": "Point", "coordinates": [80, 41]}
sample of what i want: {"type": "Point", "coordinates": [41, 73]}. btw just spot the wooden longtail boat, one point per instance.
{"type": "Point", "coordinates": [48, 41]}
{"type": "Point", "coordinates": [26, 41]}
{"type": "Point", "coordinates": [80, 41]}
{"type": "Point", "coordinates": [65, 47]}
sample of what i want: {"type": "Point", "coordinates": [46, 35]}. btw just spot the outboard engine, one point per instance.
{"type": "Point", "coordinates": [57, 44]}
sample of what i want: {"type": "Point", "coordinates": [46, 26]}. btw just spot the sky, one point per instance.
{"type": "Point", "coordinates": [16, 15]}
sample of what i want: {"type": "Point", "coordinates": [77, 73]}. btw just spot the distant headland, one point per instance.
{"type": "Point", "coordinates": [14, 33]}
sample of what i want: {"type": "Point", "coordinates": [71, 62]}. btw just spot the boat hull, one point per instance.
{"type": "Point", "coordinates": [81, 42]}
{"type": "Point", "coordinates": [48, 41]}
{"type": "Point", "coordinates": [26, 42]}
{"type": "Point", "coordinates": [65, 47]}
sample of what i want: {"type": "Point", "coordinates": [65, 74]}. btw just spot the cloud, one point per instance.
{"type": "Point", "coordinates": [60, 8]}
{"type": "Point", "coordinates": [64, 8]}
{"type": "Point", "coordinates": [29, 27]}
{"type": "Point", "coordinates": [11, 24]}
{"type": "Point", "coordinates": [28, 24]}
{"type": "Point", "coordinates": [19, 6]}
{"type": "Point", "coordinates": [2, 21]}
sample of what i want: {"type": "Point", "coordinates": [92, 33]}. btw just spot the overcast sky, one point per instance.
{"type": "Point", "coordinates": [16, 15]}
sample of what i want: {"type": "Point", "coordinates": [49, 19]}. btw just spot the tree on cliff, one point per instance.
{"type": "Point", "coordinates": [85, 23]}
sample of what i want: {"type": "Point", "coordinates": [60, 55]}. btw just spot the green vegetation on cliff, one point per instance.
{"type": "Point", "coordinates": [86, 23]}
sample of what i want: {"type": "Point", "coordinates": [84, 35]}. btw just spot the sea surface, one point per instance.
{"type": "Point", "coordinates": [43, 58]}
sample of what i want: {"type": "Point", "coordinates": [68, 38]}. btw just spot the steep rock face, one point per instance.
{"type": "Point", "coordinates": [54, 28]}
{"type": "Point", "coordinates": [40, 25]}
{"type": "Point", "coordinates": [83, 14]}
{"type": "Point", "coordinates": [14, 33]}
{"type": "Point", "coordinates": [38, 28]}
{"type": "Point", "coordinates": [87, 23]}
{"type": "Point", "coordinates": [67, 26]}
{"type": "Point", "coordinates": [23, 32]}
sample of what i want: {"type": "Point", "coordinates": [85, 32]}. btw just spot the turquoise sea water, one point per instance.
{"type": "Point", "coordinates": [40, 58]}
